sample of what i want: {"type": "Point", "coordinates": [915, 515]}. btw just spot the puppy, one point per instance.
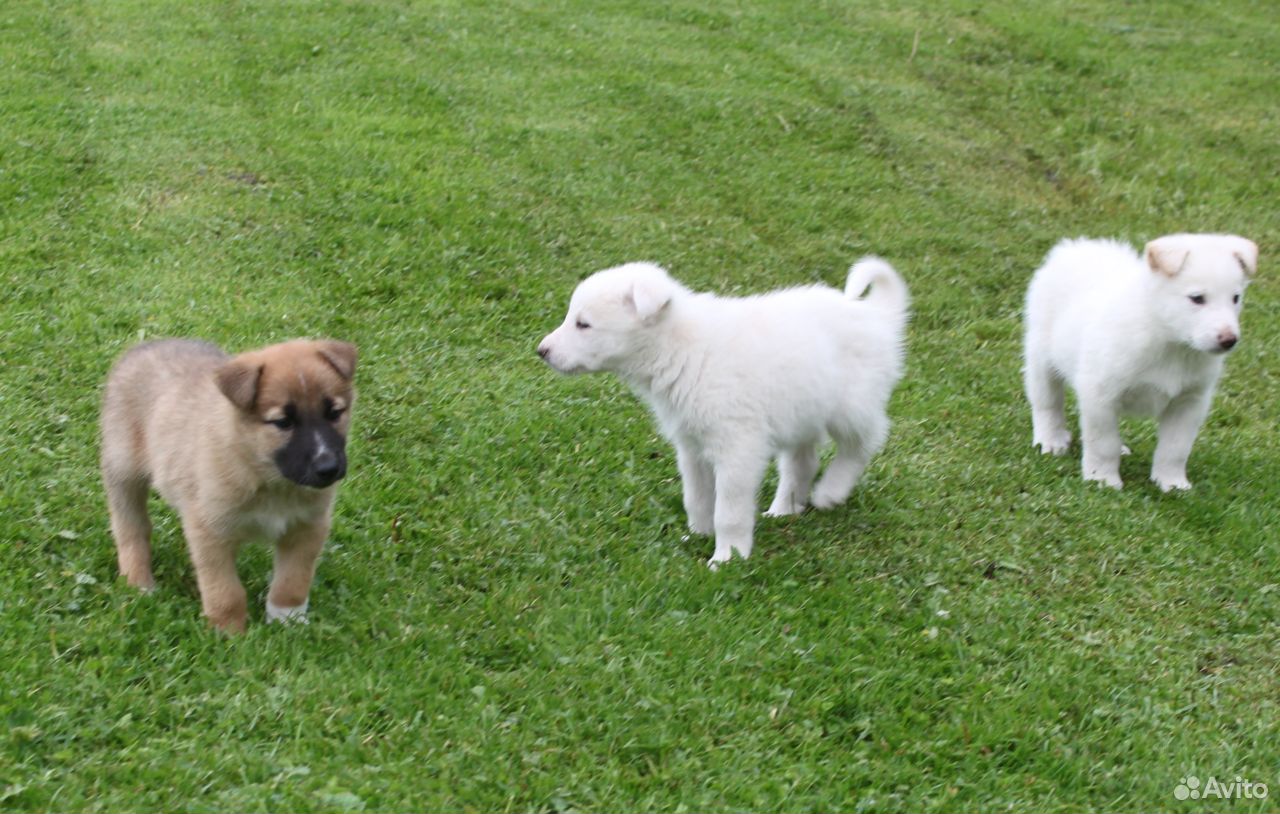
{"type": "Point", "coordinates": [1133, 334]}
{"type": "Point", "coordinates": [243, 448]}
{"type": "Point", "coordinates": [735, 381]}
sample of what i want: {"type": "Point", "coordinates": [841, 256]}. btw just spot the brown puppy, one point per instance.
{"type": "Point", "coordinates": [246, 447]}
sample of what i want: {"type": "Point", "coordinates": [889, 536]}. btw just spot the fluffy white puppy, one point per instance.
{"type": "Point", "coordinates": [735, 381]}
{"type": "Point", "coordinates": [1133, 334]}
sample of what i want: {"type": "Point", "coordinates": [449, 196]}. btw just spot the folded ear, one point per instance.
{"type": "Point", "coordinates": [649, 296]}
{"type": "Point", "coordinates": [1246, 252]}
{"type": "Point", "coordinates": [1167, 255]}
{"type": "Point", "coordinates": [238, 381]}
{"type": "Point", "coordinates": [341, 356]}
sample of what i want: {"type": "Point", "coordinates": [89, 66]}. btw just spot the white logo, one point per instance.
{"type": "Point", "coordinates": [1190, 788]}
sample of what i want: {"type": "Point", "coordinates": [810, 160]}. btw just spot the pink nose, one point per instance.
{"type": "Point", "coordinates": [1227, 340]}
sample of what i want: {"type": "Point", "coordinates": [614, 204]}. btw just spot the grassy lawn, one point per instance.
{"type": "Point", "coordinates": [509, 616]}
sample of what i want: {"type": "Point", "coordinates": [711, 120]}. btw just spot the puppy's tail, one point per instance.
{"type": "Point", "coordinates": [888, 291]}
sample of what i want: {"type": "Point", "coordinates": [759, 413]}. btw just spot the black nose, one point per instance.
{"type": "Point", "coordinates": [327, 466]}
{"type": "Point", "coordinates": [543, 350]}
{"type": "Point", "coordinates": [1228, 342]}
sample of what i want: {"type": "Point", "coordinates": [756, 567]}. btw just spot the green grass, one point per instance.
{"type": "Point", "coordinates": [509, 616]}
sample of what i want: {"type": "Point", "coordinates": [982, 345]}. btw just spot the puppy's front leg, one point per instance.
{"type": "Point", "coordinates": [221, 594]}
{"type": "Point", "coordinates": [1179, 424]}
{"type": "Point", "coordinates": [737, 481]}
{"type": "Point", "coordinates": [295, 566]}
{"type": "Point", "coordinates": [698, 482]}
{"type": "Point", "coordinates": [1100, 432]}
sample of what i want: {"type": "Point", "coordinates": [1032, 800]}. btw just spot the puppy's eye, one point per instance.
{"type": "Point", "coordinates": [581, 325]}
{"type": "Point", "coordinates": [1198, 299]}
{"type": "Point", "coordinates": [1236, 299]}
{"type": "Point", "coordinates": [333, 413]}
{"type": "Point", "coordinates": [286, 421]}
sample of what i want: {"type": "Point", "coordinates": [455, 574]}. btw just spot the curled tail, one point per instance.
{"type": "Point", "coordinates": [888, 291]}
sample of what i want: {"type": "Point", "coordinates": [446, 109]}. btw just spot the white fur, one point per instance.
{"type": "Point", "coordinates": [296, 615]}
{"type": "Point", "coordinates": [1124, 332]}
{"type": "Point", "coordinates": [734, 382]}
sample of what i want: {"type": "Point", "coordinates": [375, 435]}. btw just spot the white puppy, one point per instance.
{"type": "Point", "coordinates": [1133, 335]}
{"type": "Point", "coordinates": [736, 381]}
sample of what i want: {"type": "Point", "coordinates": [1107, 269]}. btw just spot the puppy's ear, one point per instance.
{"type": "Point", "coordinates": [650, 297]}
{"type": "Point", "coordinates": [238, 380]}
{"type": "Point", "coordinates": [341, 356]}
{"type": "Point", "coordinates": [1246, 253]}
{"type": "Point", "coordinates": [1167, 255]}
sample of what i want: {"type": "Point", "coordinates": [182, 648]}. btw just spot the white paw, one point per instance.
{"type": "Point", "coordinates": [715, 562]}
{"type": "Point", "coordinates": [702, 527]}
{"type": "Point", "coordinates": [1055, 444]}
{"type": "Point", "coordinates": [1110, 480]}
{"type": "Point", "coordinates": [295, 616]}
{"type": "Point", "coordinates": [783, 510]}
{"type": "Point", "coordinates": [1176, 483]}
{"type": "Point", "coordinates": [822, 499]}
{"type": "Point", "coordinates": [1124, 450]}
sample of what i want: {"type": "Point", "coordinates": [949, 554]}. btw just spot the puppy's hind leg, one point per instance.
{"type": "Point", "coordinates": [854, 451]}
{"type": "Point", "coordinates": [131, 527]}
{"type": "Point", "coordinates": [1048, 415]}
{"type": "Point", "coordinates": [796, 470]}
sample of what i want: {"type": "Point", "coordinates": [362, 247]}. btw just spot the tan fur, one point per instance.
{"type": "Point", "coordinates": [184, 418]}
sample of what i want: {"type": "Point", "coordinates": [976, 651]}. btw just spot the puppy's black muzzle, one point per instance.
{"type": "Point", "coordinates": [315, 455]}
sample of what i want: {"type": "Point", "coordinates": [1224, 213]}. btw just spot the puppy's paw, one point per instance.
{"type": "Point", "coordinates": [1124, 450]}
{"type": "Point", "coordinates": [146, 585]}
{"type": "Point", "coordinates": [701, 525]}
{"type": "Point", "coordinates": [715, 562]}
{"type": "Point", "coordinates": [784, 509]}
{"type": "Point", "coordinates": [1054, 443]}
{"type": "Point", "coordinates": [1172, 483]}
{"type": "Point", "coordinates": [290, 616]}
{"type": "Point", "coordinates": [1107, 480]}
{"type": "Point", "coordinates": [824, 499]}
